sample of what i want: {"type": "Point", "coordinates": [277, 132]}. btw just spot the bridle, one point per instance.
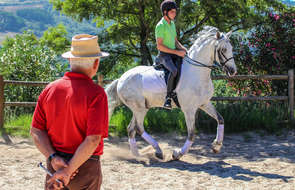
{"type": "Point", "coordinates": [216, 65]}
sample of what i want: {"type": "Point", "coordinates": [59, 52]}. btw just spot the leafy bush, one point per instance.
{"type": "Point", "coordinates": [120, 120]}
{"type": "Point", "coordinates": [24, 58]}
{"type": "Point", "coordinates": [247, 116]}
{"type": "Point", "coordinates": [238, 117]}
{"type": "Point", "coordinates": [269, 49]}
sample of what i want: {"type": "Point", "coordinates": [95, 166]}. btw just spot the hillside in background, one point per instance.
{"type": "Point", "coordinates": [289, 2]}
{"type": "Point", "coordinates": [17, 16]}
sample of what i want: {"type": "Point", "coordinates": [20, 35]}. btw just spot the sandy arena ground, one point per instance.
{"type": "Point", "coordinates": [247, 161]}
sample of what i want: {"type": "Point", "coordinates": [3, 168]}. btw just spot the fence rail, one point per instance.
{"type": "Point", "coordinates": [289, 98]}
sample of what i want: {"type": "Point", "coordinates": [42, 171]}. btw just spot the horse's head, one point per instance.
{"type": "Point", "coordinates": [213, 48]}
{"type": "Point", "coordinates": [224, 52]}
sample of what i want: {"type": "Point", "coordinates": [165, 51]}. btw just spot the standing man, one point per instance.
{"type": "Point", "coordinates": [71, 120]}
{"type": "Point", "coordinates": [171, 50]}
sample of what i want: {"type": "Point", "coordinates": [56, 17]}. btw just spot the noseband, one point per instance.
{"type": "Point", "coordinates": [222, 58]}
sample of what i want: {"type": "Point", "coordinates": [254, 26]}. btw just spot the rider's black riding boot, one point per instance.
{"type": "Point", "coordinates": [170, 88]}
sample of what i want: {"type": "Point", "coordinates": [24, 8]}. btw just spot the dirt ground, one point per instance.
{"type": "Point", "coordinates": [248, 161]}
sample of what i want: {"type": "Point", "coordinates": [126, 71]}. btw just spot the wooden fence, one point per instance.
{"type": "Point", "coordinates": [289, 98]}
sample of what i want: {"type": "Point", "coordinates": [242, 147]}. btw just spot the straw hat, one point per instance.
{"type": "Point", "coordinates": [84, 46]}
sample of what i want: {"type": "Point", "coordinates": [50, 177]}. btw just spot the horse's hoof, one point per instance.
{"type": "Point", "coordinates": [159, 155]}
{"type": "Point", "coordinates": [216, 146]}
{"type": "Point", "coordinates": [176, 155]}
{"type": "Point", "coordinates": [133, 148]}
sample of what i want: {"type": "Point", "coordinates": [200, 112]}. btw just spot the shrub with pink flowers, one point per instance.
{"type": "Point", "coordinates": [269, 49]}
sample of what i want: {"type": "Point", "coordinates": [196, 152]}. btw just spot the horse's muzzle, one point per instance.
{"type": "Point", "coordinates": [230, 71]}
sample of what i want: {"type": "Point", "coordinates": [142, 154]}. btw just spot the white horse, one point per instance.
{"type": "Point", "coordinates": [194, 90]}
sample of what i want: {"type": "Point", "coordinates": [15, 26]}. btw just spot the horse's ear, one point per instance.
{"type": "Point", "coordinates": [218, 35]}
{"type": "Point", "coordinates": [229, 34]}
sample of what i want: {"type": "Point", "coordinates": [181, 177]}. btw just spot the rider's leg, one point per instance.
{"type": "Point", "coordinates": [170, 88]}
{"type": "Point", "coordinates": [166, 60]}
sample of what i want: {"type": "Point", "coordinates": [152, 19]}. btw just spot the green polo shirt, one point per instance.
{"type": "Point", "coordinates": [167, 32]}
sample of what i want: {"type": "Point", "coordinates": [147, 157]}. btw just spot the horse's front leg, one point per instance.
{"type": "Point", "coordinates": [218, 142]}
{"type": "Point", "coordinates": [190, 123]}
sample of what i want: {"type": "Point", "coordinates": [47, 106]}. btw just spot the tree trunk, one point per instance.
{"type": "Point", "coordinates": [146, 58]}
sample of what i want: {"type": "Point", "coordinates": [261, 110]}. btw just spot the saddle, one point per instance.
{"type": "Point", "coordinates": [159, 66]}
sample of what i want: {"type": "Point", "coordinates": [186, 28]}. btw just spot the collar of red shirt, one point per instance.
{"type": "Point", "coordinates": [76, 76]}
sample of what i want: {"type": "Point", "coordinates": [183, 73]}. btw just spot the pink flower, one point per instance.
{"type": "Point", "coordinates": [293, 57]}
{"type": "Point", "coordinates": [277, 17]}
{"type": "Point", "coordinates": [274, 55]}
{"type": "Point", "coordinates": [273, 49]}
{"type": "Point", "coordinates": [268, 45]}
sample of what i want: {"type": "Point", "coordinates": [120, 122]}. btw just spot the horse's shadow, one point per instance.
{"type": "Point", "coordinates": [214, 168]}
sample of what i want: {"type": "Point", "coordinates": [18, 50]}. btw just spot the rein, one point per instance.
{"type": "Point", "coordinates": [193, 62]}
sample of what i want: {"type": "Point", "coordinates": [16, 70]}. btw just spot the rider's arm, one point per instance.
{"type": "Point", "coordinates": [161, 47]}
{"type": "Point", "coordinates": [179, 45]}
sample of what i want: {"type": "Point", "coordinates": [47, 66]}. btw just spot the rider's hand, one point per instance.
{"type": "Point", "coordinates": [58, 163]}
{"type": "Point", "coordinates": [181, 53]}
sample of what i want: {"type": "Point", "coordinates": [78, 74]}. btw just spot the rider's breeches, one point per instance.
{"type": "Point", "coordinates": [170, 62]}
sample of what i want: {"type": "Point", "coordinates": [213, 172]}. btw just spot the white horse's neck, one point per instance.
{"type": "Point", "coordinates": [204, 54]}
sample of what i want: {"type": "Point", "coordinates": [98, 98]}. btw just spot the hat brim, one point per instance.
{"type": "Point", "coordinates": [68, 55]}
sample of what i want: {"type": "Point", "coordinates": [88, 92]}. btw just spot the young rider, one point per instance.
{"type": "Point", "coordinates": [171, 51]}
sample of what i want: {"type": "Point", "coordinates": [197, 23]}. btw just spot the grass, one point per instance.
{"type": "Point", "coordinates": [19, 126]}
{"type": "Point", "coordinates": [239, 117]}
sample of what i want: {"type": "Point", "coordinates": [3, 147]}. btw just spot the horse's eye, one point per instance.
{"type": "Point", "coordinates": [224, 50]}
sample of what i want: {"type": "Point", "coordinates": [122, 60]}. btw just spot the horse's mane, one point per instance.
{"type": "Point", "coordinates": [207, 33]}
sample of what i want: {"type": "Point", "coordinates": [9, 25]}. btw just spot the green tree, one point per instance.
{"type": "Point", "coordinates": [24, 58]}
{"type": "Point", "coordinates": [56, 38]}
{"type": "Point", "coordinates": [134, 21]}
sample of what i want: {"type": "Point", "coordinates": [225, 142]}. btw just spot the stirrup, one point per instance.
{"type": "Point", "coordinates": [167, 103]}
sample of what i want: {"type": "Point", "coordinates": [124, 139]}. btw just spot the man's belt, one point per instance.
{"type": "Point", "coordinates": [68, 156]}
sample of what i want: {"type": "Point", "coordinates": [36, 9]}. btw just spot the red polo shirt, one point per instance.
{"type": "Point", "coordinates": [70, 109]}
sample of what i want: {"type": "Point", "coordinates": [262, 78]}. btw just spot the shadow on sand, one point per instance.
{"type": "Point", "coordinates": [214, 168]}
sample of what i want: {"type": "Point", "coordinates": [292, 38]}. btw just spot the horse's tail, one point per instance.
{"type": "Point", "coordinates": [113, 99]}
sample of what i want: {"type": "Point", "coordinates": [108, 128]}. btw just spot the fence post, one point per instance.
{"type": "Point", "coordinates": [100, 80]}
{"type": "Point", "coordinates": [1, 103]}
{"type": "Point", "coordinates": [291, 93]}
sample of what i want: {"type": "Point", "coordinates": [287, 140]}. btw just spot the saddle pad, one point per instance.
{"type": "Point", "coordinates": [154, 81]}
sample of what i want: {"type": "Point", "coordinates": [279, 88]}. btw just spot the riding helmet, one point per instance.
{"type": "Point", "coordinates": [167, 5]}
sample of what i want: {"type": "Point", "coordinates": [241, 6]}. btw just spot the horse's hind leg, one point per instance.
{"type": "Point", "coordinates": [131, 135]}
{"type": "Point", "coordinates": [136, 126]}
{"type": "Point", "coordinates": [140, 130]}
{"type": "Point", "coordinates": [210, 110]}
